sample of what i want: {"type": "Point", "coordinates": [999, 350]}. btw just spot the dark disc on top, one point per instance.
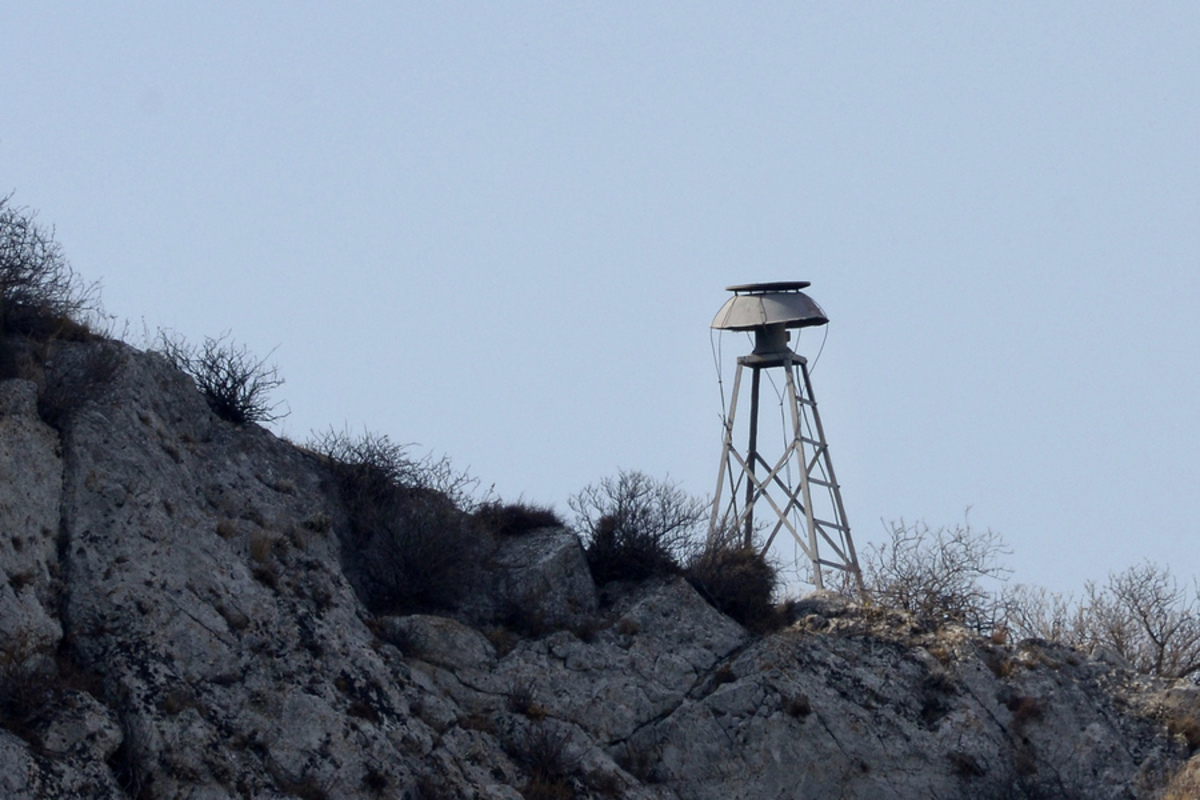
{"type": "Point", "coordinates": [777, 286]}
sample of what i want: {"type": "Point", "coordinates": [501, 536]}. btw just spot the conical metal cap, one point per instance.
{"type": "Point", "coordinates": [756, 305]}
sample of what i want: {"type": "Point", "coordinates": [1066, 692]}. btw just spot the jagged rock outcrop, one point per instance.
{"type": "Point", "coordinates": [175, 622]}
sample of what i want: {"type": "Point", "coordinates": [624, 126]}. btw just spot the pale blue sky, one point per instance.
{"type": "Point", "coordinates": [501, 231]}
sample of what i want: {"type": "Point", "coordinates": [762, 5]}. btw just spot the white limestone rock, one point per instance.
{"type": "Point", "coordinates": [30, 495]}
{"type": "Point", "coordinates": [195, 567]}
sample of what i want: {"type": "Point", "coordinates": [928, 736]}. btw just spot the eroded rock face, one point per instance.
{"type": "Point", "coordinates": [540, 579]}
{"type": "Point", "coordinates": [190, 571]}
{"type": "Point", "coordinates": [30, 496]}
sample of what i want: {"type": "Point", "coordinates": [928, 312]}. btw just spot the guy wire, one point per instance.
{"type": "Point", "coordinates": [715, 345]}
{"type": "Point", "coordinates": [820, 350]}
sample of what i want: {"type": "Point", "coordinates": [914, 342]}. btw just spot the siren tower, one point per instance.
{"type": "Point", "coordinates": [794, 482]}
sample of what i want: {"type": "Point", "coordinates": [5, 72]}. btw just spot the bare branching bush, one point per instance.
{"type": "Point", "coordinates": [1034, 612]}
{"type": "Point", "coordinates": [942, 574]}
{"type": "Point", "coordinates": [40, 295]}
{"type": "Point", "coordinates": [1141, 614]}
{"type": "Point", "coordinates": [235, 383]}
{"type": "Point", "coordinates": [411, 545]}
{"type": "Point", "coordinates": [1149, 619]}
{"type": "Point", "coordinates": [635, 526]}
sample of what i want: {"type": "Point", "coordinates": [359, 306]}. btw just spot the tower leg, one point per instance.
{"type": "Point", "coordinates": [849, 556]}
{"type": "Point", "coordinates": [752, 456]}
{"type": "Point", "coordinates": [725, 469]}
{"type": "Point", "coordinates": [806, 506]}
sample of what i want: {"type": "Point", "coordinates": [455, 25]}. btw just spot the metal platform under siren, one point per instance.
{"type": "Point", "coordinates": [799, 486]}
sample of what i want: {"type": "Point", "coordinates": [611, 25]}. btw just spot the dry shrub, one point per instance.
{"type": "Point", "coordinates": [619, 551]}
{"type": "Point", "coordinates": [627, 627]}
{"type": "Point", "coordinates": [1143, 614]}
{"type": "Point", "coordinates": [723, 675]}
{"type": "Point", "coordinates": [235, 383]}
{"type": "Point", "coordinates": [521, 701]}
{"type": "Point", "coordinates": [78, 377]}
{"type": "Point", "coordinates": [606, 784]}
{"type": "Point", "coordinates": [306, 786]}
{"type": "Point", "coordinates": [410, 546]}
{"type": "Point", "coordinates": [426, 557]}
{"type": "Point", "coordinates": [261, 546]}
{"type": "Point", "coordinates": [478, 721]}
{"type": "Point", "coordinates": [502, 638]}
{"type": "Point", "coordinates": [636, 527]}
{"type": "Point", "coordinates": [940, 574]}
{"type": "Point", "coordinates": [32, 681]}
{"type": "Point", "coordinates": [1024, 710]}
{"type": "Point", "coordinates": [40, 295]}
{"type": "Point", "coordinates": [370, 466]}
{"type": "Point", "coordinates": [966, 765]}
{"type": "Point", "coordinates": [542, 752]}
{"type": "Point", "coordinates": [514, 519]}
{"type": "Point", "coordinates": [434, 787]}
{"type": "Point", "coordinates": [1187, 726]}
{"type": "Point", "coordinates": [737, 581]}
{"type": "Point", "coordinates": [798, 705]}
{"type": "Point", "coordinates": [641, 762]}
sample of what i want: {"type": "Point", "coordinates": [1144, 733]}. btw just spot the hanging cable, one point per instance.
{"type": "Point", "coordinates": [820, 350]}
{"type": "Point", "coordinates": [715, 345]}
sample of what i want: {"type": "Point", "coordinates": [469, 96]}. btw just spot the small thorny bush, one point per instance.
{"type": "Point", "coordinates": [235, 383]}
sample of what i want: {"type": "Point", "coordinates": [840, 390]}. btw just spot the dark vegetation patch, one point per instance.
{"type": "Point", "coordinates": [44, 308]}
{"type": "Point", "coordinates": [542, 751]}
{"type": "Point", "coordinates": [521, 701]}
{"type": "Point", "coordinates": [636, 527]}
{"type": "Point", "coordinates": [41, 297]}
{"type": "Point", "coordinates": [739, 582]}
{"type": "Point", "coordinates": [31, 684]}
{"type": "Point", "coordinates": [1187, 726]}
{"type": "Point", "coordinates": [514, 519]}
{"type": "Point", "coordinates": [798, 705]}
{"type": "Point", "coordinates": [410, 545]}
{"type": "Point", "coordinates": [966, 765]}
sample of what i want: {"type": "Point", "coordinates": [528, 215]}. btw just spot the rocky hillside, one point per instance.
{"type": "Point", "coordinates": [176, 621]}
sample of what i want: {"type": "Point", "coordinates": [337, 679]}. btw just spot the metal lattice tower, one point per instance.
{"type": "Point", "coordinates": [799, 486]}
